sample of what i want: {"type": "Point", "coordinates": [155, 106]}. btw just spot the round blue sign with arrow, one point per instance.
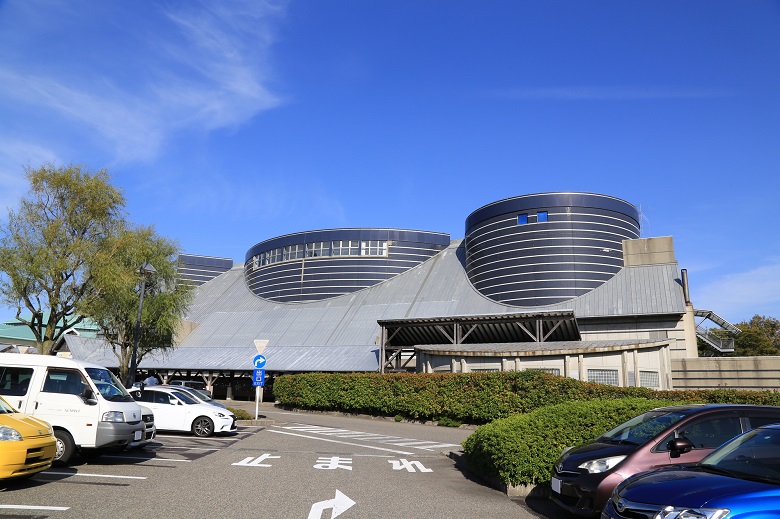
{"type": "Point", "coordinates": [259, 361]}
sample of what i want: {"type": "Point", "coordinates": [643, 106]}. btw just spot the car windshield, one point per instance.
{"type": "Point", "coordinates": [5, 408]}
{"type": "Point", "coordinates": [754, 455]}
{"type": "Point", "coordinates": [642, 428]}
{"type": "Point", "coordinates": [108, 385]}
{"type": "Point", "coordinates": [184, 397]}
{"type": "Point", "coordinates": [202, 395]}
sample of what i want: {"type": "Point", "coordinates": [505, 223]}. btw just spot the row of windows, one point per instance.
{"type": "Point", "coordinates": [321, 249]}
{"type": "Point", "coordinates": [541, 216]}
{"type": "Point", "coordinates": [610, 376]}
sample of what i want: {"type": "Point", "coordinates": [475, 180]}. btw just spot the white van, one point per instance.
{"type": "Point", "coordinates": [84, 402]}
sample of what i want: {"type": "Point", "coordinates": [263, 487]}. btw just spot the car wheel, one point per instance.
{"type": "Point", "coordinates": [65, 447]}
{"type": "Point", "coordinates": [202, 426]}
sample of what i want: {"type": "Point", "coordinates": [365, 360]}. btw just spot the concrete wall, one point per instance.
{"type": "Point", "coordinates": [647, 367]}
{"type": "Point", "coordinates": [643, 328]}
{"type": "Point", "coordinates": [648, 251]}
{"type": "Point", "coordinates": [758, 373]}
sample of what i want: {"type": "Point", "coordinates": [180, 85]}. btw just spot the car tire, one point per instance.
{"type": "Point", "coordinates": [202, 426]}
{"type": "Point", "coordinates": [65, 447]}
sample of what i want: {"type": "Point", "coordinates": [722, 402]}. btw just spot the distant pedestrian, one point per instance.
{"type": "Point", "coordinates": [151, 380]}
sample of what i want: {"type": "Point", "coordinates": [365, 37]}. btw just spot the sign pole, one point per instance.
{"type": "Point", "coordinates": [257, 402]}
{"type": "Point", "coordinates": [258, 380]}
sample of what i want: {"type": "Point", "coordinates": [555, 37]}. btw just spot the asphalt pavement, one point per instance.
{"type": "Point", "coordinates": [535, 506]}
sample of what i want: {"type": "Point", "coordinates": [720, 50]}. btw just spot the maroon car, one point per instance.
{"type": "Point", "coordinates": [584, 477]}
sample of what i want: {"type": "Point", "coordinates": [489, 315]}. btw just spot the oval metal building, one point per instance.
{"type": "Point", "coordinates": [315, 265]}
{"type": "Point", "coordinates": [546, 248]}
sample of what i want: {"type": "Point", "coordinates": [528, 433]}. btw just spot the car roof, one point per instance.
{"type": "Point", "coordinates": [703, 408]}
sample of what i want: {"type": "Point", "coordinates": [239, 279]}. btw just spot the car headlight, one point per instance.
{"type": "Point", "coordinates": [9, 434]}
{"type": "Point", "coordinates": [113, 416]}
{"type": "Point", "coordinates": [220, 415]}
{"type": "Point", "coordinates": [675, 512]}
{"type": "Point", "coordinates": [601, 464]}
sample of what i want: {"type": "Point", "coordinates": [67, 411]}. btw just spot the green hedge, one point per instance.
{"type": "Point", "coordinates": [522, 449]}
{"type": "Point", "coordinates": [474, 398]}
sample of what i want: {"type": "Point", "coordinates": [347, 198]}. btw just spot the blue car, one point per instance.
{"type": "Point", "coordinates": [739, 480]}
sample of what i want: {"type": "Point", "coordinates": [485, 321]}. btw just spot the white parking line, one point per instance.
{"type": "Point", "coordinates": [55, 473]}
{"type": "Point", "coordinates": [166, 447]}
{"type": "Point", "coordinates": [210, 438]}
{"type": "Point", "coordinates": [343, 443]}
{"type": "Point", "coordinates": [371, 437]}
{"type": "Point", "coordinates": [147, 459]}
{"type": "Point", "coordinates": [32, 507]}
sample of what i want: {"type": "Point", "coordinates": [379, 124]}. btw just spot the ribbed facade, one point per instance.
{"type": "Point", "coordinates": [199, 269]}
{"type": "Point", "coordinates": [547, 248]}
{"type": "Point", "coordinates": [315, 265]}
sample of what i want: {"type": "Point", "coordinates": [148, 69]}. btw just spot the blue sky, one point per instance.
{"type": "Point", "coordinates": [227, 123]}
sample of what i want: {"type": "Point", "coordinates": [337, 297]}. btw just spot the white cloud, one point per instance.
{"type": "Point", "coordinates": [199, 67]}
{"type": "Point", "coordinates": [739, 296]}
{"type": "Point", "coordinates": [14, 156]}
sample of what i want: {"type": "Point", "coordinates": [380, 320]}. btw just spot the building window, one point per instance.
{"type": "Point", "coordinates": [648, 379]}
{"type": "Point", "coordinates": [541, 216]}
{"type": "Point", "coordinates": [346, 248]}
{"type": "Point", "coordinates": [373, 248]}
{"type": "Point", "coordinates": [273, 256]}
{"type": "Point", "coordinates": [522, 219]}
{"type": "Point", "coordinates": [292, 252]}
{"type": "Point", "coordinates": [603, 376]}
{"type": "Point", "coordinates": [255, 262]}
{"type": "Point", "coordinates": [317, 249]}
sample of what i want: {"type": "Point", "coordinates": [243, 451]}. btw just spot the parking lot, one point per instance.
{"type": "Point", "coordinates": [303, 465]}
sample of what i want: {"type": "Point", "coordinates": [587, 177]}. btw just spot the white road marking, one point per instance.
{"type": "Point", "coordinates": [89, 475]}
{"type": "Point", "coordinates": [342, 443]}
{"type": "Point", "coordinates": [32, 507]}
{"type": "Point", "coordinates": [380, 438]}
{"type": "Point", "coordinates": [210, 438]}
{"type": "Point", "coordinates": [147, 459]}
{"type": "Point", "coordinates": [166, 447]}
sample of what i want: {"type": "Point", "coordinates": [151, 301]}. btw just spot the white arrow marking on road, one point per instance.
{"type": "Point", "coordinates": [255, 462]}
{"type": "Point", "coordinates": [339, 504]}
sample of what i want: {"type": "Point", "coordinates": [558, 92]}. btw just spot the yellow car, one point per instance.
{"type": "Point", "coordinates": [27, 444]}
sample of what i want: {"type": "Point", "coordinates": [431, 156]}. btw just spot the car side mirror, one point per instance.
{"type": "Point", "coordinates": [679, 446]}
{"type": "Point", "coordinates": [89, 397]}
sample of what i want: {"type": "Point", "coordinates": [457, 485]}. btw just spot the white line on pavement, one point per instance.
{"type": "Point", "coordinates": [89, 475]}
{"type": "Point", "coordinates": [147, 459]}
{"type": "Point", "coordinates": [343, 443]}
{"type": "Point", "coordinates": [31, 507]}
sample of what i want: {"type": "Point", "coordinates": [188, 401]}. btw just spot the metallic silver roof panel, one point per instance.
{"type": "Point", "coordinates": [229, 317]}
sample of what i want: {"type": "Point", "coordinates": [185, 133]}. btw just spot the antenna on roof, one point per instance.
{"type": "Point", "coordinates": [642, 216]}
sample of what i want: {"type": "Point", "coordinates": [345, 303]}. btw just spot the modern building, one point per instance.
{"type": "Point", "coordinates": [554, 281]}
{"type": "Point", "coordinates": [200, 269]}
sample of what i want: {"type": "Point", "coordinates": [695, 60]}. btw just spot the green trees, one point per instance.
{"type": "Point", "coordinates": [53, 245]}
{"type": "Point", "coordinates": [165, 298]}
{"type": "Point", "coordinates": [760, 336]}
{"type": "Point", "coordinates": [69, 253]}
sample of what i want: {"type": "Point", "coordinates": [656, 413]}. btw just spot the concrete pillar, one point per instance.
{"type": "Point", "coordinates": [689, 328]}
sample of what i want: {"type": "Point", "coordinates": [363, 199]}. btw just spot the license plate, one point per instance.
{"type": "Point", "coordinates": [138, 435]}
{"type": "Point", "coordinates": [555, 483]}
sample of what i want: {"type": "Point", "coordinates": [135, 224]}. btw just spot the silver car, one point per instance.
{"type": "Point", "coordinates": [201, 395]}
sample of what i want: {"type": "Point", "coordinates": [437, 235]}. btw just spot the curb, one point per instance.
{"type": "Point", "coordinates": [262, 422]}
{"type": "Point", "coordinates": [511, 491]}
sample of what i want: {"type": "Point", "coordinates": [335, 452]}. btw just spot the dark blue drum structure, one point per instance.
{"type": "Point", "coordinates": [315, 265]}
{"type": "Point", "coordinates": [547, 248]}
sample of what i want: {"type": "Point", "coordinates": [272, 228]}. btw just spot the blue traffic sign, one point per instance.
{"type": "Point", "coordinates": [259, 361]}
{"type": "Point", "coordinates": [258, 377]}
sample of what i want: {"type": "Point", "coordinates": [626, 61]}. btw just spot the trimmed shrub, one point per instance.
{"type": "Point", "coordinates": [241, 414]}
{"type": "Point", "coordinates": [474, 398]}
{"type": "Point", "coordinates": [522, 449]}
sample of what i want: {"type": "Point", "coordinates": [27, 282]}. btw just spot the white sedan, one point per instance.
{"type": "Point", "coordinates": [175, 410]}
